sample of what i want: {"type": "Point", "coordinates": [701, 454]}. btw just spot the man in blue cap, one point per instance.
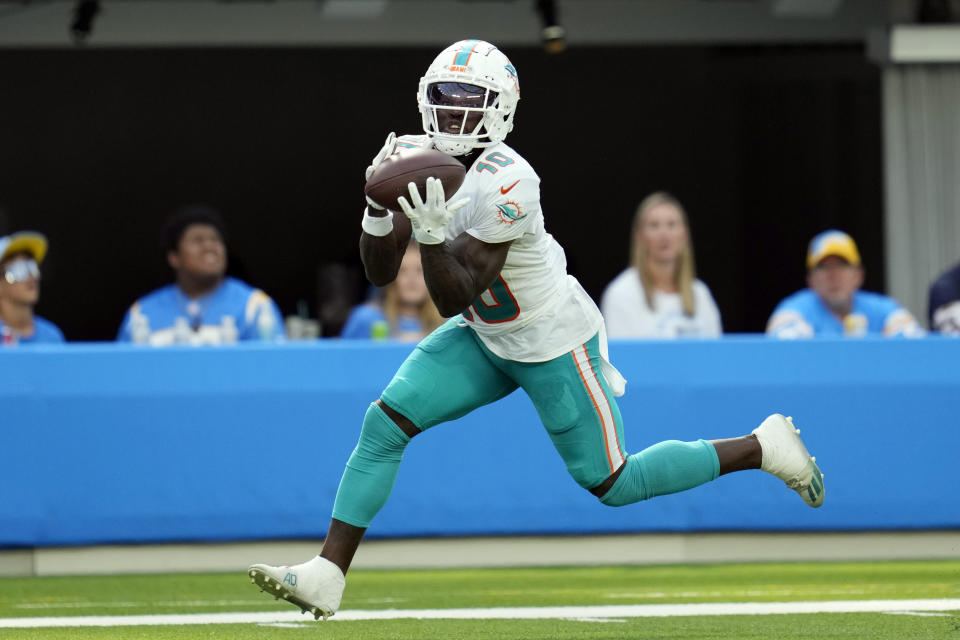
{"type": "Point", "coordinates": [834, 305]}
{"type": "Point", "coordinates": [20, 257]}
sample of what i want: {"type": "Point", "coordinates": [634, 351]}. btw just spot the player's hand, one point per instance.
{"type": "Point", "coordinates": [428, 218]}
{"type": "Point", "coordinates": [387, 150]}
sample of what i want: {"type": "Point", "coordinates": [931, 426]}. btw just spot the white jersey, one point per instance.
{"type": "Point", "coordinates": [534, 311]}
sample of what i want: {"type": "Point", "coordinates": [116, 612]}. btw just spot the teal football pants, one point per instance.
{"type": "Point", "coordinates": [451, 373]}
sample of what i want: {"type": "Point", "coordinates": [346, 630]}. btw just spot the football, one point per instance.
{"type": "Point", "coordinates": [390, 179]}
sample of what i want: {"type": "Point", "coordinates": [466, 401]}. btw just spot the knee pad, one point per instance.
{"type": "Point", "coordinates": [629, 487]}
{"type": "Point", "coordinates": [380, 437]}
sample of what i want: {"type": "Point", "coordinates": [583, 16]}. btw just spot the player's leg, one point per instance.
{"type": "Point", "coordinates": [445, 377]}
{"type": "Point", "coordinates": [778, 451]}
{"type": "Point", "coordinates": [584, 422]}
{"type": "Point", "coordinates": [367, 480]}
{"type": "Point", "coordinates": [775, 447]}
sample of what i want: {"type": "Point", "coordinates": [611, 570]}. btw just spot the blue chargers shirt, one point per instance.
{"type": "Point", "coordinates": [367, 320]}
{"type": "Point", "coordinates": [804, 315]}
{"type": "Point", "coordinates": [44, 331]}
{"type": "Point", "coordinates": [233, 311]}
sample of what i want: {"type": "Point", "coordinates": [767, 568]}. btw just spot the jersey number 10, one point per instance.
{"type": "Point", "coordinates": [497, 158]}
{"type": "Point", "coordinates": [503, 309]}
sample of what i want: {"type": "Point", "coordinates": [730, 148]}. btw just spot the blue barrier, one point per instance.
{"type": "Point", "coordinates": [114, 443]}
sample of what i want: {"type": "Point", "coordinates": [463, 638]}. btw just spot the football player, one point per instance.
{"type": "Point", "coordinates": [516, 320]}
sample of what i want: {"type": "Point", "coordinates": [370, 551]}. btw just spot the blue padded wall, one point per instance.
{"type": "Point", "coordinates": [115, 443]}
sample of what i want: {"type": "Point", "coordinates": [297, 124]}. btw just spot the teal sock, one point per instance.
{"type": "Point", "coordinates": [371, 470]}
{"type": "Point", "coordinates": [666, 467]}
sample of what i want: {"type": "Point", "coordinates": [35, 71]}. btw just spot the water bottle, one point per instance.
{"type": "Point", "coordinates": [228, 330]}
{"type": "Point", "coordinates": [294, 326]}
{"type": "Point", "coordinates": [266, 325]}
{"type": "Point", "coordinates": [380, 330]}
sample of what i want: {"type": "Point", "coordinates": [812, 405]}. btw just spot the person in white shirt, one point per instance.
{"type": "Point", "coordinates": [659, 295]}
{"type": "Point", "coordinates": [517, 320]}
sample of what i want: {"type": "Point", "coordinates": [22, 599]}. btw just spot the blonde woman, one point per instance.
{"type": "Point", "coordinates": [658, 295]}
{"type": "Point", "coordinates": [404, 310]}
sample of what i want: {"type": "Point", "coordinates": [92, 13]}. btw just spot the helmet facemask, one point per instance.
{"type": "Point", "coordinates": [458, 115]}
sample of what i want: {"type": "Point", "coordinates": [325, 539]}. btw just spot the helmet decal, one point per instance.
{"type": "Point", "coordinates": [462, 58]}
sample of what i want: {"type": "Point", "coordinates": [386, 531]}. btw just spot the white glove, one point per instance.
{"type": "Point", "coordinates": [373, 205]}
{"type": "Point", "coordinates": [389, 147]}
{"type": "Point", "coordinates": [429, 218]}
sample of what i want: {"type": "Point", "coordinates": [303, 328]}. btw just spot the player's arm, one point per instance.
{"type": "Point", "coordinates": [385, 235]}
{"type": "Point", "coordinates": [381, 255]}
{"type": "Point", "coordinates": [457, 272]}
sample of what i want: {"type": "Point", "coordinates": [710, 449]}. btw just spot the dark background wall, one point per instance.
{"type": "Point", "coordinates": [765, 146]}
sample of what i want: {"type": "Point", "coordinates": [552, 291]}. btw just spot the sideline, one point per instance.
{"type": "Point", "coordinates": [590, 612]}
{"type": "Point", "coordinates": [506, 551]}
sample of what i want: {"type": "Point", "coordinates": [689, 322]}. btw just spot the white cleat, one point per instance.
{"type": "Point", "coordinates": [315, 586]}
{"type": "Point", "coordinates": [785, 456]}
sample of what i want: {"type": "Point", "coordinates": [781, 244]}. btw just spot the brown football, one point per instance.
{"type": "Point", "coordinates": [390, 179]}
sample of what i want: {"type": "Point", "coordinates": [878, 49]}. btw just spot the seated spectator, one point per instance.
{"type": "Point", "coordinates": [659, 295]}
{"type": "Point", "coordinates": [338, 289]}
{"type": "Point", "coordinates": [203, 305]}
{"type": "Point", "coordinates": [403, 310]}
{"type": "Point", "coordinates": [944, 308]}
{"type": "Point", "coordinates": [833, 304]}
{"type": "Point", "coordinates": [21, 255]}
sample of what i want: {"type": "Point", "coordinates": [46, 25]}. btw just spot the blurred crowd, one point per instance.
{"type": "Point", "coordinates": [656, 296]}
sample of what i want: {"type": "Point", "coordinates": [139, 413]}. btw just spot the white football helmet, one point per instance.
{"type": "Point", "coordinates": [475, 83]}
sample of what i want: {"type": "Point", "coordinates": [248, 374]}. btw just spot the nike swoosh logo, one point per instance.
{"type": "Point", "coordinates": [504, 191]}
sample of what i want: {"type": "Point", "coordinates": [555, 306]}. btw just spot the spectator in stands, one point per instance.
{"type": "Point", "coordinates": [21, 255]}
{"type": "Point", "coordinates": [203, 305]}
{"type": "Point", "coordinates": [944, 307]}
{"type": "Point", "coordinates": [659, 295]}
{"type": "Point", "coordinates": [402, 310]}
{"type": "Point", "coordinates": [833, 304]}
{"type": "Point", "coordinates": [338, 289]}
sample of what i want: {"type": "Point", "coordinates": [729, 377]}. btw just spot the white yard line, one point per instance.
{"type": "Point", "coordinates": [597, 612]}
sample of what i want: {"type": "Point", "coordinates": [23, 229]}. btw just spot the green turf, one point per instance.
{"type": "Point", "coordinates": [205, 593]}
{"type": "Point", "coordinates": [852, 626]}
